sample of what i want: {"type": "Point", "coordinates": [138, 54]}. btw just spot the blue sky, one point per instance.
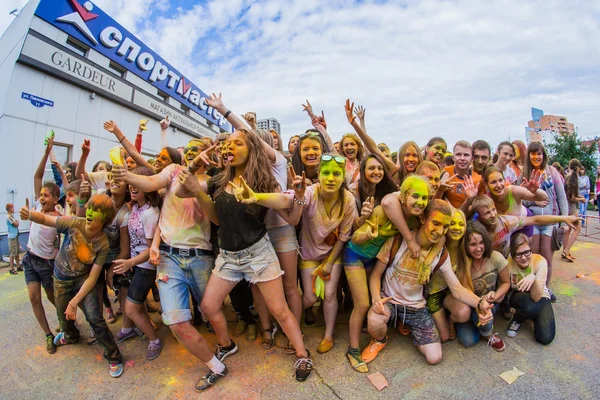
{"type": "Point", "coordinates": [462, 69]}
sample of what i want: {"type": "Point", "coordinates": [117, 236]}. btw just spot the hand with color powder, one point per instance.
{"type": "Point", "coordinates": [142, 125]}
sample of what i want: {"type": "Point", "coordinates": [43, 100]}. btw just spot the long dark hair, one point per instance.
{"type": "Point", "coordinates": [572, 180]}
{"type": "Point", "coordinates": [534, 147]}
{"type": "Point", "coordinates": [154, 198]}
{"type": "Point", "coordinates": [297, 159]}
{"type": "Point", "coordinates": [258, 172]}
{"type": "Point", "coordinates": [383, 188]}
{"type": "Point", "coordinates": [478, 228]}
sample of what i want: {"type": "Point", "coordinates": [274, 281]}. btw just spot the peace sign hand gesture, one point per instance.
{"type": "Point", "coordinates": [308, 108]}
{"type": "Point", "coordinates": [367, 208]}
{"type": "Point", "coordinates": [243, 193]}
{"type": "Point", "coordinates": [348, 108]}
{"type": "Point", "coordinates": [372, 228]}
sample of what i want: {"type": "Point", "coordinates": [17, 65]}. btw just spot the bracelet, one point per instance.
{"type": "Point", "coordinates": [303, 202]}
{"type": "Point", "coordinates": [121, 140]}
{"type": "Point", "coordinates": [479, 304]}
{"type": "Point", "coordinates": [227, 114]}
{"type": "Point", "coordinates": [81, 202]}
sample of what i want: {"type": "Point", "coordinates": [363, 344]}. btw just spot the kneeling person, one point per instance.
{"type": "Point", "coordinates": [401, 296]}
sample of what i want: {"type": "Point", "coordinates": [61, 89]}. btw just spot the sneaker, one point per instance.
{"type": "Point", "coordinates": [115, 370]}
{"type": "Point", "coordinates": [110, 316]}
{"type": "Point", "coordinates": [496, 343]}
{"type": "Point", "coordinates": [223, 352]}
{"type": "Point", "coordinates": [552, 296]}
{"type": "Point", "coordinates": [19, 269]}
{"type": "Point", "coordinates": [139, 332]}
{"type": "Point", "coordinates": [209, 379]}
{"type": "Point", "coordinates": [154, 350]}
{"type": "Point", "coordinates": [13, 272]}
{"type": "Point", "coordinates": [50, 346]}
{"type": "Point", "coordinates": [371, 351]}
{"type": "Point", "coordinates": [92, 340]}
{"type": "Point", "coordinates": [513, 329]}
{"type": "Point", "coordinates": [304, 367]}
{"type": "Point", "coordinates": [61, 340]}
{"type": "Point", "coordinates": [210, 327]}
{"type": "Point", "coordinates": [121, 337]}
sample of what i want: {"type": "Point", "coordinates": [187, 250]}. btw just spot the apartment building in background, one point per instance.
{"type": "Point", "coordinates": [542, 126]}
{"type": "Point", "coordinates": [269, 123]}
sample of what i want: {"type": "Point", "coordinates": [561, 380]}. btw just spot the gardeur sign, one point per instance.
{"type": "Point", "coordinates": [88, 23]}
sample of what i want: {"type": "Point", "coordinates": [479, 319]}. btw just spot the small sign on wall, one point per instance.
{"type": "Point", "coordinates": [37, 101]}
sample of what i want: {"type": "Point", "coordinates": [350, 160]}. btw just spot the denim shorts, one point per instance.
{"type": "Point", "coordinates": [435, 302]}
{"type": "Point", "coordinates": [423, 328]}
{"type": "Point", "coordinates": [38, 270]}
{"type": "Point", "coordinates": [257, 263]}
{"type": "Point", "coordinates": [543, 230]}
{"type": "Point", "coordinates": [142, 282]}
{"type": "Point", "coordinates": [351, 259]}
{"type": "Point", "coordinates": [283, 238]}
{"type": "Point", "coordinates": [176, 277]}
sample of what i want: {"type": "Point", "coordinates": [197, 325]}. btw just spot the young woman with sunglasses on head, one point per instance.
{"type": "Point", "coordinates": [327, 220]}
{"type": "Point", "coordinates": [529, 297]}
{"type": "Point", "coordinates": [553, 184]}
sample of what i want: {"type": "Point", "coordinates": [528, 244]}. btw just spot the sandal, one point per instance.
{"type": "Point", "coordinates": [290, 349]}
{"type": "Point", "coordinates": [268, 343]}
{"type": "Point", "coordinates": [13, 272]}
{"type": "Point", "coordinates": [356, 360]}
{"type": "Point", "coordinates": [570, 256]}
{"type": "Point", "coordinates": [565, 257]}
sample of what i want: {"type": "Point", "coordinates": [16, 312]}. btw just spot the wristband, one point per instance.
{"type": "Point", "coordinates": [227, 114]}
{"type": "Point", "coordinates": [121, 140]}
{"type": "Point", "coordinates": [81, 202]}
{"type": "Point", "coordinates": [303, 202]}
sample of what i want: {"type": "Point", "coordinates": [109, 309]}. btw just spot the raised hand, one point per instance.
{"type": "Point", "coordinates": [85, 190]}
{"type": "Point", "coordinates": [372, 228]}
{"type": "Point", "coordinates": [321, 119]}
{"type": "Point", "coordinates": [533, 184]}
{"type": "Point", "coordinates": [298, 183]}
{"type": "Point", "coordinates": [215, 101]}
{"type": "Point", "coordinates": [188, 181]}
{"type": "Point", "coordinates": [49, 143]}
{"type": "Point", "coordinates": [250, 118]}
{"type": "Point", "coordinates": [470, 188]}
{"type": "Point", "coordinates": [367, 208]}
{"type": "Point", "coordinates": [204, 157]}
{"type": "Point", "coordinates": [348, 108]}
{"type": "Point", "coordinates": [308, 108]}
{"type": "Point", "coordinates": [379, 305]}
{"type": "Point", "coordinates": [164, 124]}
{"type": "Point", "coordinates": [58, 166]}
{"type": "Point", "coordinates": [119, 173]}
{"type": "Point", "coordinates": [360, 112]}
{"type": "Point", "coordinates": [447, 185]}
{"type": "Point", "coordinates": [24, 212]}
{"type": "Point", "coordinates": [243, 193]}
{"type": "Point", "coordinates": [110, 126]}
{"type": "Point", "coordinates": [142, 126]}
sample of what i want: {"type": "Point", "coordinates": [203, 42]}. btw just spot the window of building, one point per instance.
{"type": "Point", "coordinates": [117, 69]}
{"type": "Point", "coordinates": [63, 153]}
{"type": "Point", "coordinates": [77, 46]}
{"type": "Point", "coordinates": [185, 109]}
{"type": "Point", "coordinates": [163, 96]}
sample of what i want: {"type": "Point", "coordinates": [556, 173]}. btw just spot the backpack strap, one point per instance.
{"type": "Point", "coordinates": [442, 260]}
{"type": "Point", "coordinates": [395, 247]}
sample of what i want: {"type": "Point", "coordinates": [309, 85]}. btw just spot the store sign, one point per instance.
{"type": "Point", "coordinates": [88, 23]}
{"type": "Point", "coordinates": [37, 101]}
{"type": "Point", "coordinates": [78, 69]}
{"type": "Point", "coordinates": [177, 118]}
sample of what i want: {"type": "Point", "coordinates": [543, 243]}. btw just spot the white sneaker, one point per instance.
{"type": "Point", "coordinates": [513, 328]}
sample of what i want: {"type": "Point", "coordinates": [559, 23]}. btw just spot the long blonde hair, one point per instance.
{"type": "Point", "coordinates": [463, 263]}
{"type": "Point", "coordinates": [258, 173]}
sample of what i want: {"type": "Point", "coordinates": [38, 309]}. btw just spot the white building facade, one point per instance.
{"type": "Point", "coordinates": [68, 67]}
{"type": "Point", "coordinates": [268, 124]}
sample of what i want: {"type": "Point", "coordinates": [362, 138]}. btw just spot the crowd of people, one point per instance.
{"type": "Point", "coordinates": [414, 240]}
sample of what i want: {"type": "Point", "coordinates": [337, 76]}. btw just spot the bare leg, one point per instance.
{"type": "Point", "coordinates": [441, 323]}
{"type": "Point", "coordinates": [330, 306]}
{"type": "Point", "coordinates": [289, 264]}
{"type": "Point", "coordinates": [212, 306]}
{"type": "Point", "coordinates": [377, 324]}
{"type": "Point", "coordinates": [127, 322]}
{"type": "Point", "coordinates": [35, 297]}
{"type": "Point", "coordinates": [357, 281]}
{"type": "Point", "coordinates": [432, 352]}
{"type": "Point", "coordinates": [261, 308]}
{"type": "Point", "coordinates": [136, 313]}
{"type": "Point", "coordinates": [274, 296]}
{"type": "Point", "coordinates": [547, 253]}
{"type": "Point", "coordinates": [535, 244]}
{"type": "Point", "coordinates": [192, 340]}
{"type": "Point", "coordinates": [308, 296]}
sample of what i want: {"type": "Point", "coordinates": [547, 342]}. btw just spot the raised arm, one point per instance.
{"type": "Point", "coordinates": [141, 182]}
{"type": "Point", "coordinates": [38, 176]}
{"type": "Point", "coordinates": [393, 209]}
{"type": "Point", "coordinates": [85, 152]}
{"type": "Point", "coordinates": [216, 102]}
{"type": "Point", "coordinates": [112, 127]}
{"type": "Point", "coordinates": [35, 216]}
{"type": "Point", "coordinates": [319, 123]}
{"type": "Point", "coordinates": [188, 186]}
{"type": "Point", "coordinates": [298, 183]}
{"type": "Point", "coordinates": [368, 141]}
{"type": "Point", "coordinates": [530, 189]}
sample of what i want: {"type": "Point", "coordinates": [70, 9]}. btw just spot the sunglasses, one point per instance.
{"type": "Point", "coordinates": [190, 148]}
{"type": "Point", "coordinates": [526, 253]}
{"type": "Point", "coordinates": [309, 134]}
{"type": "Point", "coordinates": [338, 159]}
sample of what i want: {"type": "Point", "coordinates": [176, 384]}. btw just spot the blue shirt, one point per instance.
{"type": "Point", "coordinates": [13, 231]}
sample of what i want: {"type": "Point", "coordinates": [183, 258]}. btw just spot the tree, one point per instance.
{"type": "Point", "coordinates": [568, 146]}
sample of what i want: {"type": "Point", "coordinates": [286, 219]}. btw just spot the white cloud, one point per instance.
{"type": "Point", "coordinates": [462, 69]}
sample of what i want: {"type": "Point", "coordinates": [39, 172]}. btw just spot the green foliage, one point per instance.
{"type": "Point", "coordinates": [565, 147]}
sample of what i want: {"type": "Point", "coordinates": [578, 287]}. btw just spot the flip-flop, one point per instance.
{"type": "Point", "coordinates": [268, 343]}
{"type": "Point", "coordinates": [357, 363]}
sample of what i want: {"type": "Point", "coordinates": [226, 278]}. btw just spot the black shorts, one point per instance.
{"type": "Point", "coordinates": [142, 282]}
{"type": "Point", "coordinates": [38, 270]}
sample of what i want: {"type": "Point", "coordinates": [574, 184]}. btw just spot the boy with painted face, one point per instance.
{"type": "Point", "coordinates": [501, 227]}
{"type": "Point", "coordinates": [42, 247]}
{"type": "Point", "coordinates": [76, 270]}
{"type": "Point", "coordinates": [397, 287]}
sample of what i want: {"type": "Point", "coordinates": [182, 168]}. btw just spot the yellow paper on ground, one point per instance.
{"type": "Point", "coordinates": [511, 375]}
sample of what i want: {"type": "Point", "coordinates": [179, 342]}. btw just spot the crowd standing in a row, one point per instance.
{"type": "Point", "coordinates": [411, 240]}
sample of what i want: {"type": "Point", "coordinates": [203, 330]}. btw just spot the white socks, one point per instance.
{"type": "Point", "coordinates": [215, 365]}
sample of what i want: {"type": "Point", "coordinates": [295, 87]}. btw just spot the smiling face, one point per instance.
{"type": "Point", "coordinates": [47, 201]}
{"type": "Point", "coordinates": [536, 158]}
{"type": "Point", "coordinates": [522, 256]}
{"type": "Point", "coordinates": [462, 159]}
{"type": "Point", "coordinates": [416, 199]}
{"type": "Point", "coordinates": [458, 226]}
{"type": "Point", "coordinates": [496, 184]}
{"type": "Point", "coordinates": [310, 152]}
{"type": "Point", "coordinates": [373, 171]}
{"type": "Point", "coordinates": [193, 148]}
{"type": "Point", "coordinates": [349, 148]}
{"type": "Point", "coordinates": [163, 159]}
{"type": "Point", "coordinates": [505, 155]}
{"type": "Point", "coordinates": [436, 152]}
{"type": "Point", "coordinates": [488, 216]}
{"type": "Point", "coordinates": [475, 246]}
{"type": "Point", "coordinates": [481, 158]}
{"type": "Point", "coordinates": [237, 150]}
{"type": "Point", "coordinates": [71, 199]}
{"type": "Point", "coordinates": [118, 188]}
{"type": "Point", "coordinates": [411, 159]}
{"type": "Point", "coordinates": [435, 226]}
{"type": "Point", "coordinates": [275, 140]}
{"type": "Point", "coordinates": [69, 173]}
{"type": "Point", "coordinates": [293, 143]}
{"type": "Point", "coordinates": [331, 176]}
{"type": "Point", "coordinates": [131, 164]}
{"type": "Point", "coordinates": [94, 220]}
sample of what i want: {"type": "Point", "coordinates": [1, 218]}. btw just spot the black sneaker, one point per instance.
{"type": "Point", "coordinates": [304, 367]}
{"type": "Point", "coordinates": [209, 380]}
{"type": "Point", "coordinates": [50, 346]}
{"type": "Point", "coordinates": [552, 296]}
{"type": "Point", "coordinates": [223, 352]}
{"type": "Point", "coordinates": [209, 327]}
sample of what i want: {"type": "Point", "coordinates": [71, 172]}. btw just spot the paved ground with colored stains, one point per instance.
{"type": "Point", "coordinates": [567, 368]}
